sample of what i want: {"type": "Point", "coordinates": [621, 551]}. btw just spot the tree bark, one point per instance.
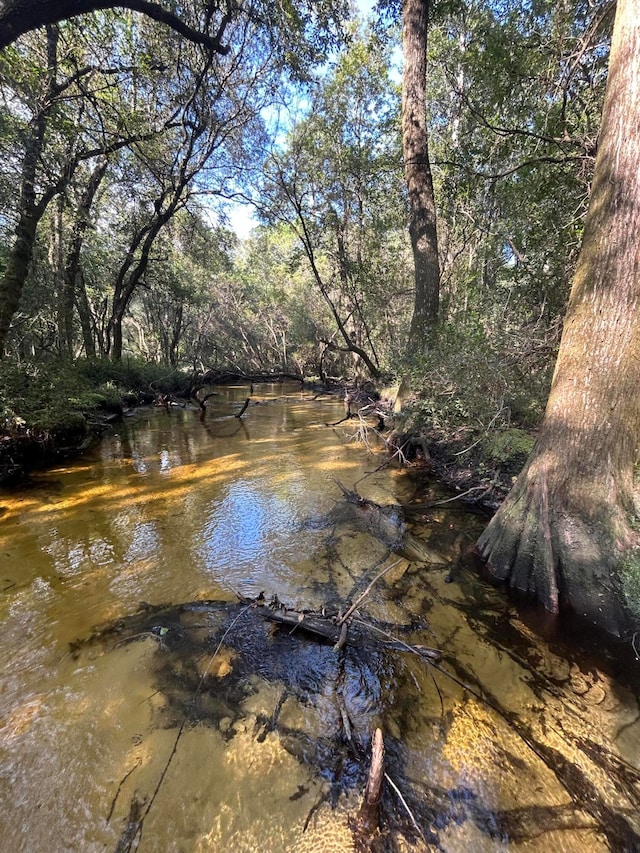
{"type": "Point", "coordinates": [87, 324]}
{"type": "Point", "coordinates": [72, 263]}
{"type": "Point", "coordinates": [132, 271]}
{"type": "Point", "coordinates": [18, 17]}
{"type": "Point", "coordinates": [422, 208]}
{"type": "Point", "coordinates": [566, 526]}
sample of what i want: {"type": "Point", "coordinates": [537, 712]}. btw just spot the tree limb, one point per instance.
{"type": "Point", "coordinates": [18, 17]}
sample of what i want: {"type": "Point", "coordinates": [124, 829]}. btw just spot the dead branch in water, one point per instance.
{"type": "Point", "coordinates": [387, 524]}
{"type": "Point", "coordinates": [365, 825]}
{"type": "Point", "coordinates": [243, 409]}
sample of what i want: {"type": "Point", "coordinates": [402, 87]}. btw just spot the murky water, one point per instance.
{"type": "Point", "coordinates": [131, 722]}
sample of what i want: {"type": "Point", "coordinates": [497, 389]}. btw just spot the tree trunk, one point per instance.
{"type": "Point", "coordinates": [84, 312]}
{"type": "Point", "coordinates": [64, 312]}
{"type": "Point", "coordinates": [72, 264]}
{"type": "Point", "coordinates": [29, 214]}
{"type": "Point", "coordinates": [422, 208]}
{"type": "Point", "coordinates": [566, 526]}
{"type": "Point", "coordinates": [115, 336]}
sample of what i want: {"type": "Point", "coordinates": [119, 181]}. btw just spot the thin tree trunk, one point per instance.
{"type": "Point", "coordinates": [56, 262]}
{"type": "Point", "coordinates": [19, 260]}
{"type": "Point", "coordinates": [422, 208]}
{"type": "Point", "coordinates": [565, 528]}
{"type": "Point", "coordinates": [72, 264]}
{"type": "Point", "coordinates": [84, 313]}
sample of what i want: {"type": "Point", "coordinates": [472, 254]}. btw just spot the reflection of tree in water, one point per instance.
{"type": "Point", "coordinates": [212, 658]}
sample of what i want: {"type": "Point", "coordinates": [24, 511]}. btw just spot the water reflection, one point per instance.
{"type": "Point", "coordinates": [230, 735]}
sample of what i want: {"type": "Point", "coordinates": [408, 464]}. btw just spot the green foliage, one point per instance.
{"type": "Point", "coordinates": [513, 109]}
{"type": "Point", "coordinates": [466, 380]}
{"type": "Point", "coordinates": [113, 379]}
{"type": "Point", "coordinates": [51, 397]}
{"type": "Point", "coordinates": [43, 397]}
{"type": "Point", "coordinates": [508, 448]}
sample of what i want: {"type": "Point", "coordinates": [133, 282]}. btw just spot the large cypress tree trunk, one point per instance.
{"type": "Point", "coordinates": [422, 208]}
{"type": "Point", "coordinates": [565, 527]}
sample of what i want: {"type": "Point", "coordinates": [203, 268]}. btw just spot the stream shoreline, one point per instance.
{"type": "Point", "coordinates": [479, 475]}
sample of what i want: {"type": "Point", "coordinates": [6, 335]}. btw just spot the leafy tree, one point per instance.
{"type": "Point", "coordinates": [337, 186]}
{"type": "Point", "coordinates": [564, 530]}
{"type": "Point", "coordinates": [63, 99]}
{"type": "Point", "coordinates": [512, 133]}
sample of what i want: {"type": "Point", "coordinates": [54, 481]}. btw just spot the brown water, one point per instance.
{"type": "Point", "coordinates": [204, 728]}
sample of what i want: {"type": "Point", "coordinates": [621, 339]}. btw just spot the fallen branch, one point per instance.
{"type": "Point", "coordinates": [387, 524]}
{"type": "Point", "coordinates": [243, 409]}
{"type": "Point", "coordinates": [362, 597]}
{"type": "Point", "coordinates": [366, 823]}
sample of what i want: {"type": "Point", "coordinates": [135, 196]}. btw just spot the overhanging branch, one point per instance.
{"type": "Point", "coordinates": [18, 17]}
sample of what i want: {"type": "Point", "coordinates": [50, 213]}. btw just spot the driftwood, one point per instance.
{"type": "Point", "coordinates": [320, 626]}
{"type": "Point", "coordinates": [243, 409]}
{"type": "Point", "coordinates": [387, 524]}
{"type": "Point", "coordinates": [334, 628]}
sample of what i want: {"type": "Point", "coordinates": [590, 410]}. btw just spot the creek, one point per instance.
{"type": "Point", "coordinates": [144, 705]}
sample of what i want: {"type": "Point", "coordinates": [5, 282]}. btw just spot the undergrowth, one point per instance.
{"type": "Point", "coordinates": [49, 396]}
{"type": "Point", "coordinates": [476, 404]}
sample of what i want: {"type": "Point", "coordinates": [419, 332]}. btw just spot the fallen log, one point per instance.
{"type": "Point", "coordinates": [323, 627]}
{"type": "Point", "coordinates": [387, 524]}
{"type": "Point", "coordinates": [330, 629]}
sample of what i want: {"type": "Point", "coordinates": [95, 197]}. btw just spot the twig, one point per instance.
{"type": "Point", "coordinates": [342, 639]}
{"type": "Point", "coordinates": [360, 598]}
{"type": "Point", "coordinates": [422, 651]}
{"type": "Point", "coordinates": [406, 806]}
{"type": "Point", "coordinates": [138, 834]}
{"type": "Point", "coordinates": [117, 794]}
{"type": "Point", "coordinates": [243, 409]}
{"type": "Point", "coordinates": [457, 497]}
{"type": "Point", "coordinates": [467, 449]}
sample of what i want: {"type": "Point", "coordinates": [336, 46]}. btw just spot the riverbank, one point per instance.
{"type": "Point", "coordinates": [51, 410]}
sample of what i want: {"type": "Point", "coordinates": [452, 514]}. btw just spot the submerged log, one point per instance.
{"type": "Point", "coordinates": [323, 627]}
{"type": "Point", "coordinates": [387, 524]}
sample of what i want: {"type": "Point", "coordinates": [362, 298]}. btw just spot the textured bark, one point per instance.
{"type": "Point", "coordinates": [56, 264]}
{"type": "Point", "coordinates": [134, 267]}
{"type": "Point", "coordinates": [84, 313]}
{"type": "Point", "coordinates": [365, 826]}
{"type": "Point", "coordinates": [422, 208]}
{"type": "Point", "coordinates": [565, 527]}
{"type": "Point", "coordinates": [20, 16]}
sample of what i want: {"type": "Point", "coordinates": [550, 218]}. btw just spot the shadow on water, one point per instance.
{"type": "Point", "coordinates": [205, 726]}
{"type": "Point", "coordinates": [211, 658]}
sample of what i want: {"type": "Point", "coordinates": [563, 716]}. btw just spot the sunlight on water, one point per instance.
{"type": "Point", "coordinates": [203, 728]}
